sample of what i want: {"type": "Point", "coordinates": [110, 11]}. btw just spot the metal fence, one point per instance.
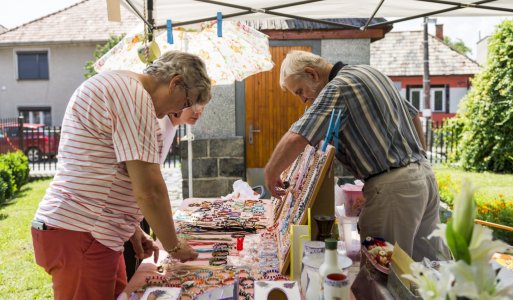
{"type": "Point", "coordinates": [441, 142]}
{"type": "Point", "coordinates": [41, 143]}
{"type": "Point", "coordinates": [173, 157]}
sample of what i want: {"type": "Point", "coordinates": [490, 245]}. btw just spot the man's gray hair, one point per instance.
{"type": "Point", "coordinates": [295, 62]}
{"type": "Point", "coordinates": [190, 66]}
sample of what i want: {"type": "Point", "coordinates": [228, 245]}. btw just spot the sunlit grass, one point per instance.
{"type": "Point", "coordinates": [490, 185]}
{"type": "Point", "coordinates": [20, 277]}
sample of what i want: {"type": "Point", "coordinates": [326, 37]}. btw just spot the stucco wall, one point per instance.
{"type": "Point", "coordinates": [66, 71]}
{"type": "Point", "coordinates": [353, 52]}
{"type": "Point", "coordinates": [456, 95]}
{"type": "Point", "coordinates": [218, 120]}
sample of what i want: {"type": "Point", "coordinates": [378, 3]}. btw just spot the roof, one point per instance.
{"type": "Point", "coordinates": [85, 21]}
{"type": "Point", "coordinates": [402, 54]}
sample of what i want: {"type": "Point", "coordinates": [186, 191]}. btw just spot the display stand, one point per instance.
{"type": "Point", "coordinates": [312, 186]}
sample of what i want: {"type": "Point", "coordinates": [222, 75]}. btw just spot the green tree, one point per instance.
{"type": "Point", "coordinates": [458, 45]}
{"type": "Point", "coordinates": [486, 141]}
{"type": "Point", "coordinates": [99, 52]}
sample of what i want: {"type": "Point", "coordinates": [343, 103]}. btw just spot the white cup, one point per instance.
{"type": "Point", "coordinates": [312, 247]}
{"type": "Point", "coordinates": [336, 287]}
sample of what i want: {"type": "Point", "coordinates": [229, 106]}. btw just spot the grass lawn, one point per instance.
{"type": "Point", "coordinates": [20, 277]}
{"type": "Point", "coordinates": [490, 185]}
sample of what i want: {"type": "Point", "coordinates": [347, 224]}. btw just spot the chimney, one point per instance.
{"type": "Point", "coordinates": [440, 31]}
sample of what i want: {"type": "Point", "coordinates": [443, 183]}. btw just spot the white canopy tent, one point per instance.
{"type": "Point", "coordinates": [182, 12]}
{"type": "Point", "coordinates": [156, 13]}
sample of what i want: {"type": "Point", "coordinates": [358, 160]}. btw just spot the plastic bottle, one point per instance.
{"type": "Point", "coordinates": [330, 264]}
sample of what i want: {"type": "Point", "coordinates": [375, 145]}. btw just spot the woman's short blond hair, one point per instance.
{"type": "Point", "coordinates": [190, 66]}
{"type": "Point", "coordinates": [295, 62]}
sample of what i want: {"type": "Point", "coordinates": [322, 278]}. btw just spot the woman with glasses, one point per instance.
{"type": "Point", "coordinates": [109, 176]}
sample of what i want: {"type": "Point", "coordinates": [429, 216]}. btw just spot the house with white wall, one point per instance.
{"type": "Point", "coordinates": [42, 62]}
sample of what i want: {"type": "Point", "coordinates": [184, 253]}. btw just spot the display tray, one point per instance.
{"type": "Point", "coordinates": [220, 230]}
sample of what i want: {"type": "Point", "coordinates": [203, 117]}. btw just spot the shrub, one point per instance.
{"type": "Point", "coordinates": [8, 179]}
{"type": "Point", "coordinates": [14, 172]}
{"type": "Point", "coordinates": [488, 109]}
{"type": "Point", "coordinates": [19, 166]}
{"type": "Point", "coordinates": [3, 189]}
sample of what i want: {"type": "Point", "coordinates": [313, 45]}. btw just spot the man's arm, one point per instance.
{"type": "Point", "coordinates": [420, 132]}
{"type": "Point", "coordinates": [287, 150]}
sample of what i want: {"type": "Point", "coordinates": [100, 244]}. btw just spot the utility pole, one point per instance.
{"type": "Point", "coordinates": [426, 112]}
{"type": "Point", "coordinates": [426, 86]}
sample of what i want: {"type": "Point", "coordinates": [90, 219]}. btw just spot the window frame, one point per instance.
{"type": "Point", "coordinates": [414, 88]}
{"type": "Point", "coordinates": [44, 109]}
{"type": "Point", "coordinates": [432, 98]}
{"type": "Point", "coordinates": [17, 51]}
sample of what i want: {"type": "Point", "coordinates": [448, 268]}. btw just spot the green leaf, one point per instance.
{"type": "Point", "coordinates": [457, 244]}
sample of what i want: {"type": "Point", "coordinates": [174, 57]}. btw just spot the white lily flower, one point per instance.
{"type": "Point", "coordinates": [432, 284]}
{"type": "Point", "coordinates": [482, 247]}
{"type": "Point", "coordinates": [464, 211]}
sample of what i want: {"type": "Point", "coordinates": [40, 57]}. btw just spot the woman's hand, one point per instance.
{"type": "Point", "coordinates": [185, 252]}
{"type": "Point", "coordinates": [144, 246]}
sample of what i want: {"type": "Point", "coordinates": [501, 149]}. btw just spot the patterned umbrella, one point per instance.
{"type": "Point", "coordinates": [240, 52]}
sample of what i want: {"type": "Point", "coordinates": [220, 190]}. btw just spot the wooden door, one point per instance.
{"type": "Point", "coordinates": [269, 111]}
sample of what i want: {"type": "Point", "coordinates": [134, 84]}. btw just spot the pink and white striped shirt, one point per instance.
{"type": "Point", "coordinates": [110, 119]}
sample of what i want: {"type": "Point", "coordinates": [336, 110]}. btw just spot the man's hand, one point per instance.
{"type": "Point", "coordinates": [144, 246]}
{"type": "Point", "coordinates": [273, 183]}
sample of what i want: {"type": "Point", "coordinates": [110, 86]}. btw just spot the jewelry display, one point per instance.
{"type": "Point", "coordinates": [304, 174]}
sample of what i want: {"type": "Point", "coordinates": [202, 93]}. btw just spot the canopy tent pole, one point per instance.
{"type": "Point", "coordinates": [149, 5]}
{"type": "Point", "coordinates": [372, 16]}
{"type": "Point", "coordinates": [189, 157]}
{"type": "Point", "coordinates": [138, 13]}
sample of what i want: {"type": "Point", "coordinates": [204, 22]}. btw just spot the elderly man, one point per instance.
{"type": "Point", "coordinates": [380, 142]}
{"type": "Point", "coordinates": [109, 176]}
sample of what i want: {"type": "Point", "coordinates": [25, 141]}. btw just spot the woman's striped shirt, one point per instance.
{"type": "Point", "coordinates": [110, 119]}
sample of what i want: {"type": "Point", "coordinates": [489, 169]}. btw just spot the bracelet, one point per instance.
{"type": "Point", "coordinates": [204, 273]}
{"type": "Point", "coordinates": [217, 261]}
{"type": "Point", "coordinates": [220, 253]}
{"type": "Point", "coordinates": [175, 248]}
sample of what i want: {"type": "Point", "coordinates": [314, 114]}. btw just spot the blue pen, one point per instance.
{"type": "Point", "coordinates": [328, 134]}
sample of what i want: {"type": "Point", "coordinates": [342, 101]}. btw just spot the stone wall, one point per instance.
{"type": "Point", "coordinates": [216, 164]}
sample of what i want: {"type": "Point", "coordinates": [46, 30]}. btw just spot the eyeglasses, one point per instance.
{"type": "Point", "coordinates": [188, 102]}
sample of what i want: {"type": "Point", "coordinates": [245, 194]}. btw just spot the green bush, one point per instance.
{"type": "Point", "coordinates": [8, 179]}
{"type": "Point", "coordinates": [14, 172]}
{"type": "Point", "coordinates": [3, 189]}
{"type": "Point", "coordinates": [487, 110]}
{"type": "Point", "coordinates": [19, 165]}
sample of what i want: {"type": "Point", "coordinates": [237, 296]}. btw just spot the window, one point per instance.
{"type": "Point", "coordinates": [438, 99]}
{"type": "Point", "coordinates": [32, 65]}
{"type": "Point", "coordinates": [416, 98]}
{"type": "Point", "coordinates": [36, 115]}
